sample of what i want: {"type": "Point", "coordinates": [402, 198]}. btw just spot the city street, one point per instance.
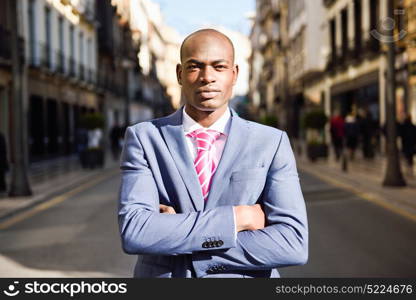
{"type": "Point", "coordinates": [351, 237]}
{"type": "Point", "coordinates": [78, 237]}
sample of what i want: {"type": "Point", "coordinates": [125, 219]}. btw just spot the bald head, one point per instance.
{"type": "Point", "coordinates": [205, 35]}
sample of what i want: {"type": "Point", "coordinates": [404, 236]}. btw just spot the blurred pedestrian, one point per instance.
{"type": "Point", "coordinates": [4, 165]}
{"type": "Point", "coordinates": [407, 133]}
{"type": "Point", "coordinates": [122, 134]}
{"type": "Point", "coordinates": [337, 133]}
{"type": "Point", "coordinates": [81, 145]}
{"type": "Point", "coordinates": [115, 140]}
{"type": "Point", "coordinates": [352, 132]}
{"type": "Point", "coordinates": [367, 130]}
{"type": "Point", "coordinates": [95, 149]}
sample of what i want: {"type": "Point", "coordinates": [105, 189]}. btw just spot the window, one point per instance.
{"type": "Point", "coordinates": [344, 28]}
{"type": "Point", "coordinates": [48, 36]}
{"type": "Point", "coordinates": [357, 26]}
{"type": "Point", "coordinates": [332, 38]}
{"type": "Point", "coordinates": [71, 50]}
{"type": "Point", "coordinates": [32, 38]}
{"type": "Point", "coordinates": [81, 54]}
{"type": "Point", "coordinates": [61, 44]}
{"type": "Point", "coordinates": [90, 56]}
{"type": "Point", "coordinates": [374, 18]}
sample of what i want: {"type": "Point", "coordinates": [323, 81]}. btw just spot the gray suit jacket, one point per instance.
{"type": "Point", "coordinates": [257, 166]}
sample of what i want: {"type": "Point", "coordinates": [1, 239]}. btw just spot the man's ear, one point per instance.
{"type": "Point", "coordinates": [179, 73]}
{"type": "Point", "coordinates": [235, 71]}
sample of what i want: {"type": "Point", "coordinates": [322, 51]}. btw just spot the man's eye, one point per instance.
{"type": "Point", "coordinates": [191, 67]}
{"type": "Point", "coordinates": [220, 67]}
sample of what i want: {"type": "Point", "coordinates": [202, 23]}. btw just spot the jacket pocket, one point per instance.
{"type": "Point", "coordinates": [249, 174]}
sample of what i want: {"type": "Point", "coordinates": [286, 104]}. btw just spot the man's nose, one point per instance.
{"type": "Point", "coordinates": [207, 75]}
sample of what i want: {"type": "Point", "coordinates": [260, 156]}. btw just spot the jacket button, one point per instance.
{"type": "Point", "coordinates": [205, 245]}
{"type": "Point", "coordinates": [219, 243]}
{"type": "Point", "coordinates": [211, 244]}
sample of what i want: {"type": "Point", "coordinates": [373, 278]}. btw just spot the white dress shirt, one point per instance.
{"type": "Point", "coordinates": [221, 125]}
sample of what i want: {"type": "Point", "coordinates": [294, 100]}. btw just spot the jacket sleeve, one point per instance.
{"type": "Point", "coordinates": [284, 240]}
{"type": "Point", "coordinates": [144, 230]}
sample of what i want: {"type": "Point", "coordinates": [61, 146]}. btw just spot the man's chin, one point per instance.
{"type": "Point", "coordinates": [208, 105]}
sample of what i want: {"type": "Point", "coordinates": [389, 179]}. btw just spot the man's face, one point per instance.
{"type": "Point", "coordinates": [207, 73]}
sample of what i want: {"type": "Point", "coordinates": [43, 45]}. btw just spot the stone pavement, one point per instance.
{"type": "Point", "coordinates": [364, 178]}
{"type": "Point", "coordinates": [52, 178]}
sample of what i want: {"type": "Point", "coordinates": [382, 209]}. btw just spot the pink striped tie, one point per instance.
{"type": "Point", "coordinates": [204, 164]}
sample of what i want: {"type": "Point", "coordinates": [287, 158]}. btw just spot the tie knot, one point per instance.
{"type": "Point", "coordinates": [205, 138]}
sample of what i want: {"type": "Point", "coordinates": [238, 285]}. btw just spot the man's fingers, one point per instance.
{"type": "Point", "coordinates": [165, 209]}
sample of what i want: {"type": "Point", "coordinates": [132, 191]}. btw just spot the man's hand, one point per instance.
{"type": "Point", "coordinates": [249, 217]}
{"type": "Point", "coordinates": [164, 209]}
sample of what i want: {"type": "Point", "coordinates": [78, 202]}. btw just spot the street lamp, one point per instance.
{"type": "Point", "coordinates": [393, 176]}
{"type": "Point", "coordinates": [19, 182]}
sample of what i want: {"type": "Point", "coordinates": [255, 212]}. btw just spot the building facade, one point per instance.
{"type": "Point", "coordinates": [410, 44]}
{"type": "Point", "coordinates": [287, 57]}
{"type": "Point", "coordinates": [61, 59]}
{"type": "Point", "coordinates": [5, 71]}
{"type": "Point", "coordinates": [158, 46]}
{"type": "Point", "coordinates": [332, 54]}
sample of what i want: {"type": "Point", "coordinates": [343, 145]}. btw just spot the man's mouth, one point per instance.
{"type": "Point", "coordinates": [208, 94]}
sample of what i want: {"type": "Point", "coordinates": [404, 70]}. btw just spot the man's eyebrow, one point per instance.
{"type": "Point", "coordinates": [220, 61]}
{"type": "Point", "coordinates": [194, 61]}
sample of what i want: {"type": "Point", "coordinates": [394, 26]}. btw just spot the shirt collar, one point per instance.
{"type": "Point", "coordinates": [221, 125]}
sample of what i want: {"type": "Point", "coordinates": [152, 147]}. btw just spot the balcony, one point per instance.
{"type": "Point", "coordinates": [372, 48]}
{"type": "Point", "coordinates": [101, 80]}
{"type": "Point", "coordinates": [5, 51]}
{"type": "Point", "coordinates": [40, 55]}
{"type": "Point", "coordinates": [91, 76]}
{"type": "Point", "coordinates": [5, 45]}
{"type": "Point", "coordinates": [81, 74]}
{"type": "Point", "coordinates": [55, 62]}
{"type": "Point", "coordinates": [72, 67]}
{"type": "Point", "coordinates": [60, 62]}
{"type": "Point", "coordinates": [331, 63]}
{"type": "Point", "coordinates": [108, 83]}
{"type": "Point", "coordinates": [46, 56]}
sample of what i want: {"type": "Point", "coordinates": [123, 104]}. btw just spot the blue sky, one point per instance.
{"type": "Point", "coordinates": [187, 15]}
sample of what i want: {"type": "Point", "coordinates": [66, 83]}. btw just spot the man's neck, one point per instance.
{"type": "Point", "coordinates": [205, 118]}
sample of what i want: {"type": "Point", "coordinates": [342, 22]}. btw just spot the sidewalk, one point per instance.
{"type": "Point", "coordinates": [364, 178]}
{"type": "Point", "coordinates": [51, 178]}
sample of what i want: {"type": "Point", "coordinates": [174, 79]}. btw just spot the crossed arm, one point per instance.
{"type": "Point", "coordinates": [247, 217]}
{"type": "Point", "coordinates": [284, 241]}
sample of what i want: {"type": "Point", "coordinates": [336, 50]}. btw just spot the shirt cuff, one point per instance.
{"type": "Point", "coordinates": [235, 225]}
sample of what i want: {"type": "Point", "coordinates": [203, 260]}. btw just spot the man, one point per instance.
{"type": "Point", "coordinates": [115, 135]}
{"type": "Point", "coordinates": [407, 133]}
{"type": "Point", "coordinates": [337, 127]}
{"type": "Point", "coordinates": [205, 193]}
{"type": "Point", "coordinates": [4, 165]}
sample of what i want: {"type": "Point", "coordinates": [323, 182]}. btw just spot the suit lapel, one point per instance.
{"type": "Point", "coordinates": [175, 140]}
{"type": "Point", "coordinates": [238, 136]}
